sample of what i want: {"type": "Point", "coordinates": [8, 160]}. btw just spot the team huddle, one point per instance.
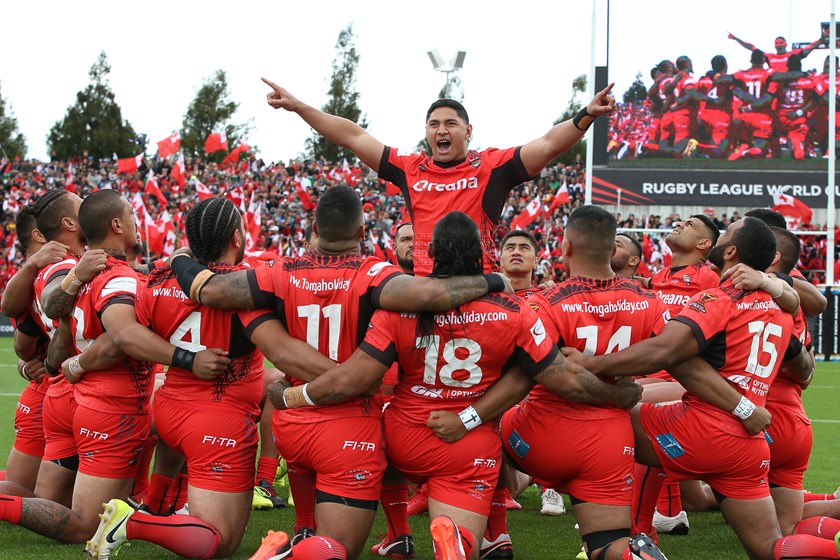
{"type": "Point", "coordinates": [438, 372]}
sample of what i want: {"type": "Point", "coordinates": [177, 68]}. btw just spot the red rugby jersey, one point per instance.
{"type": "Point", "coordinates": [165, 309]}
{"type": "Point", "coordinates": [126, 388]}
{"type": "Point", "coordinates": [463, 356]}
{"type": "Point", "coordinates": [478, 186]}
{"type": "Point", "coordinates": [745, 336]}
{"type": "Point", "coordinates": [327, 301]}
{"type": "Point", "coordinates": [784, 392]}
{"type": "Point", "coordinates": [597, 317]}
{"type": "Point", "coordinates": [675, 285]}
{"type": "Point", "coordinates": [755, 80]}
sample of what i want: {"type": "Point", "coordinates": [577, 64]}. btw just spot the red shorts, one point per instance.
{"type": "Point", "coordinates": [109, 445]}
{"type": "Point", "coordinates": [57, 419]}
{"type": "Point", "coordinates": [691, 446]}
{"type": "Point", "coordinates": [29, 426]}
{"type": "Point", "coordinates": [791, 439]}
{"type": "Point", "coordinates": [461, 474]}
{"type": "Point", "coordinates": [345, 454]}
{"type": "Point", "coordinates": [716, 122]}
{"type": "Point", "coordinates": [220, 443]}
{"type": "Point", "coordinates": [594, 463]}
{"type": "Point", "coordinates": [758, 125]}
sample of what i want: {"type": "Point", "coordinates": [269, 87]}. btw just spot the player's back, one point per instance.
{"type": "Point", "coordinates": [168, 311]}
{"type": "Point", "coordinates": [596, 317]}
{"type": "Point", "coordinates": [460, 354]}
{"type": "Point", "coordinates": [326, 301]}
{"type": "Point", "coordinates": [746, 336]}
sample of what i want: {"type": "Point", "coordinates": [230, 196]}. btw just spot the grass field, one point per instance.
{"type": "Point", "coordinates": [535, 537]}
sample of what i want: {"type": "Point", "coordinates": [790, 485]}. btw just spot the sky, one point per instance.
{"type": "Point", "coordinates": [521, 57]}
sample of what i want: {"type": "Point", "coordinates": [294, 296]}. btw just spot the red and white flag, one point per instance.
{"type": "Point", "coordinates": [560, 197]}
{"type": "Point", "coordinates": [233, 156]}
{"type": "Point", "coordinates": [528, 215]}
{"type": "Point", "coordinates": [170, 145]}
{"type": "Point", "coordinates": [301, 187]}
{"type": "Point", "coordinates": [253, 221]}
{"type": "Point", "coordinates": [215, 142]}
{"type": "Point", "coordinates": [202, 190]}
{"type": "Point", "coordinates": [129, 165]}
{"type": "Point", "coordinates": [153, 189]}
{"type": "Point", "coordinates": [179, 172]}
{"type": "Point", "coordinates": [794, 210]}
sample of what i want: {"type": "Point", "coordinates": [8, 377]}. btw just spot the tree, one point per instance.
{"type": "Point", "coordinates": [572, 109]}
{"type": "Point", "coordinates": [343, 99]}
{"type": "Point", "coordinates": [637, 92]}
{"type": "Point", "coordinates": [211, 111]}
{"type": "Point", "coordinates": [94, 124]}
{"type": "Point", "coordinates": [12, 142]}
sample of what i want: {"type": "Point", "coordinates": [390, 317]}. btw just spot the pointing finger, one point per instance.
{"type": "Point", "coordinates": [271, 84]}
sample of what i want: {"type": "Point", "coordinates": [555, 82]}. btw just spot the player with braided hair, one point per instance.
{"type": "Point", "coordinates": [447, 361]}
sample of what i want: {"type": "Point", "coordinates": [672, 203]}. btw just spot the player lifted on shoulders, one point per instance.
{"type": "Point", "coordinates": [453, 177]}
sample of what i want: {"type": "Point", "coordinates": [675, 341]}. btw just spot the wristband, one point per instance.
{"type": "Point", "coordinates": [74, 367]}
{"type": "Point", "coordinates": [799, 112]}
{"type": "Point", "coordinates": [182, 359]}
{"type": "Point", "coordinates": [495, 283]}
{"type": "Point", "coordinates": [293, 397]}
{"type": "Point", "coordinates": [579, 117]}
{"type": "Point", "coordinates": [305, 393]}
{"type": "Point", "coordinates": [51, 371]}
{"type": "Point", "coordinates": [470, 418]}
{"type": "Point", "coordinates": [22, 371]}
{"type": "Point", "coordinates": [191, 275]}
{"type": "Point", "coordinates": [71, 284]}
{"type": "Point", "coordinates": [744, 409]}
{"type": "Point", "coordinates": [767, 285]}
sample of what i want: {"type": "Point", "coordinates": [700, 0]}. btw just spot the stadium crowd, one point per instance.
{"type": "Point", "coordinates": [284, 214]}
{"type": "Point", "coordinates": [386, 373]}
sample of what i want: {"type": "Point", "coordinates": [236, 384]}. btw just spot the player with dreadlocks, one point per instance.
{"type": "Point", "coordinates": [210, 422]}
{"type": "Point", "coordinates": [447, 361]}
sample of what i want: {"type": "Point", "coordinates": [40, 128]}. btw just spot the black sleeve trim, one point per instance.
{"type": "Point", "coordinates": [377, 291]}
{"type": "Point", "coordinates": [386, 357]}
{"type": "Point", "coordinates": [58, 274]}
{"type": "Point", "coordinates": [124, 300]}
{"type": "Point", "coordinates": [529, 366]}
{"type": "Point", "coordinates": [262, 298]}
{"type": "Point", "coordinates": [698, 332]}
{"type": "Point", "coordinates": [793, 349]}
{"type": "Point", "coordinates": [252, 326]}
{"type": "Point", "coordinates": [30, 327]}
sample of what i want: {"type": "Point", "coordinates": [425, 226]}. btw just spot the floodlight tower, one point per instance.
{"type": "Point", "coordinates": [457, 64]}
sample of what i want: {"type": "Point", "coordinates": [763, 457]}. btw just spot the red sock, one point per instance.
{"type": "Point", "coordinates": [266, 468]}
{"type": "Point", "coordinates": [670, 499]}
{"type": "Point", "coordinates": [646, 484]}
{"type": "Point", "coordinates": [141, 476]}
{"type": "Point", "coordinates": [394, 498]}
{"type": "Point", "coordinates": [160, 493]}
{"type": "Point", "coordinates": [797, 547]}
{"type": "Point", "coordinates": [497, 521]}
{"type": "Point", "coordinates": [467, 541]}
{"type": "Point", "coordinates": [10, 509]}
{"type": "Point", "coordinates": [812, 497]}
{"type": "Point", "coordinates": [822, 527]}
{"type": "Point", "coordinates": [180, 497]}
{"type": "Point", "coordinates": [185, 535]}
{"type": "Point", "coordinates": [319, 548]}
{"type": "Point", "coordinates": [302, 486]}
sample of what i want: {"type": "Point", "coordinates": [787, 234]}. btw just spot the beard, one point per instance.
{"type": "Point", "coordinates": [716, 255]}
{"type": "Point", "coordinates": [406, 263]}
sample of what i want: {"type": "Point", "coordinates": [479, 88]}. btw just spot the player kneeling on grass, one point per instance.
{"type": "Point", "coordinates": [447, 361]}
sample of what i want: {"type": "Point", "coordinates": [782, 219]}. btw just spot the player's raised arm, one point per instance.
{"type": "Point", "coordinates": [338, 130]}
{"type": "Point", "coordinates": [536, 154]}
{"type": "Point", "coordinates": [745, 44]}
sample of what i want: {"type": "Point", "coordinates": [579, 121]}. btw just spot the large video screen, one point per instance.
{"type": "Point", "coordinates": [720, 85]}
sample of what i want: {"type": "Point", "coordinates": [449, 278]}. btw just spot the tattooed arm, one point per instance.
{"type": "Point", "coordinates": [410, 293]}
{"type": "Point", "coordinates": [220, 291]}
{"type": "Point", "coordinates": [18, 291]}
{"type": "Point", "coordinates": [357, 375]}
{"type": "Point", "coordinates": [577, 384]}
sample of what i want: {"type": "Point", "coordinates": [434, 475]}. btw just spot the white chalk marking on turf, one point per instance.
{"type": "Point", "coordinates": [819, 421]}
{"type": "Point", "coordinates": [9, 394]}
{"type": "Point", "coordinates": [822, 386]}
